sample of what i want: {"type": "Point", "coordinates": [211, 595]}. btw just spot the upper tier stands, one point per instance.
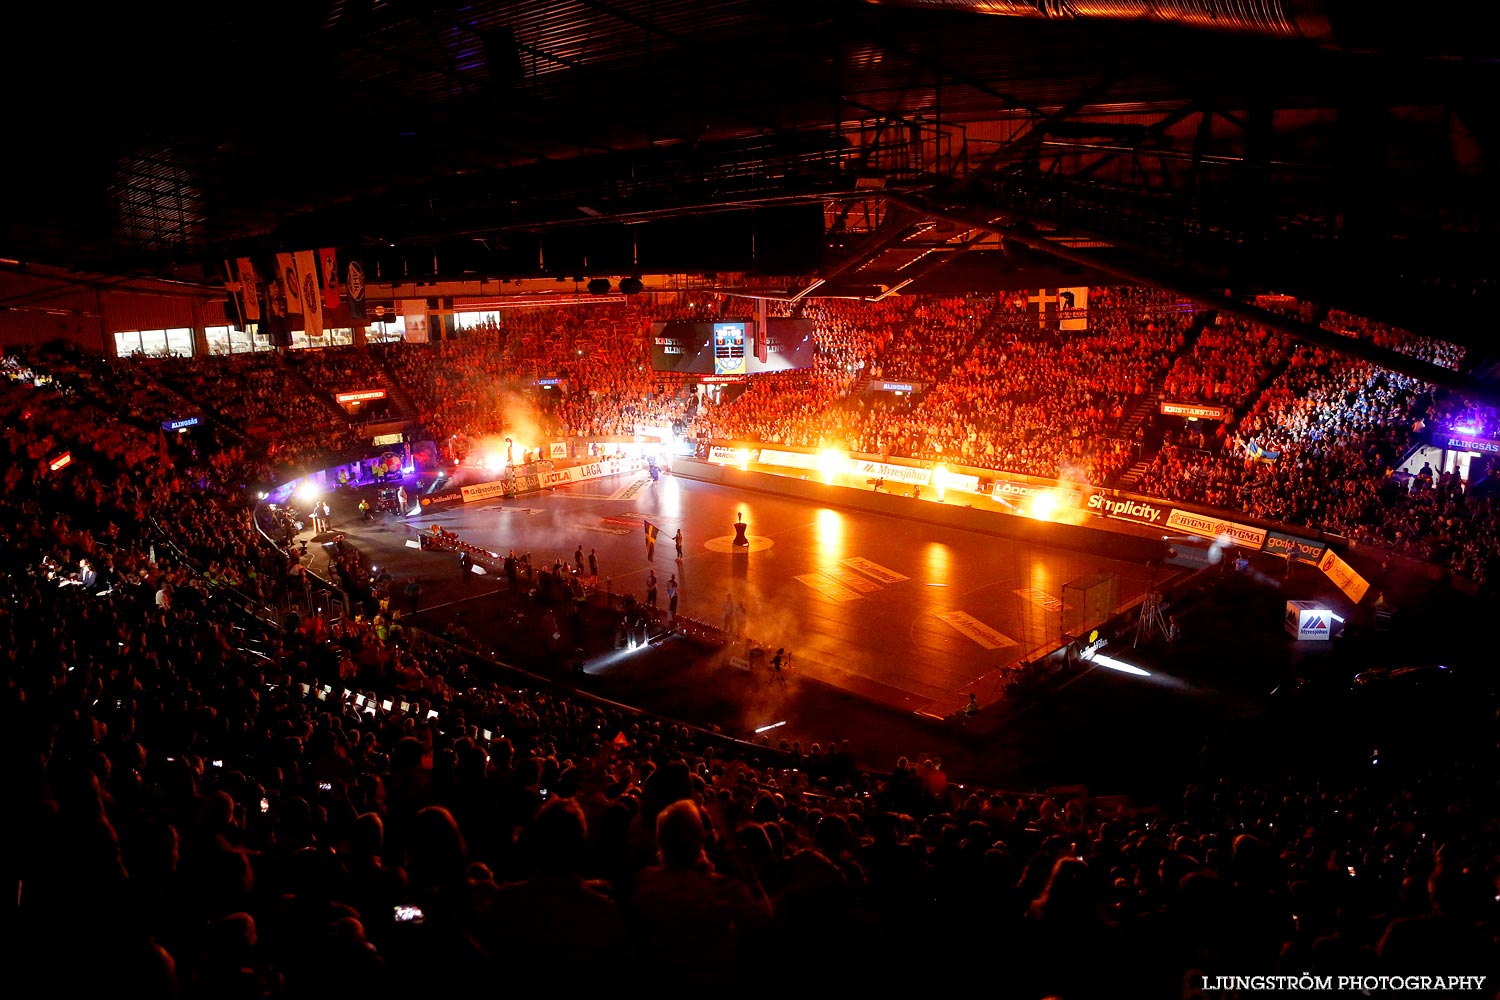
{"type": "Point", "coordinates": [996, 392]}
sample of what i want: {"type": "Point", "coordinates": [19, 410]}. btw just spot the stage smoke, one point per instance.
{"type": "Point", "coordinates": [523, 428]}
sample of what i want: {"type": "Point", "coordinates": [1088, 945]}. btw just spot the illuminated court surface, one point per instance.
{"type": "Point", "coordinates": [911, 615]}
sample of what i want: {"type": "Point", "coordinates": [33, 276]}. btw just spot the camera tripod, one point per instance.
{"type": "Point", "coordinates": [1151, 620]}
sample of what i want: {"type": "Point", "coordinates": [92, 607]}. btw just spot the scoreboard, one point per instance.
{"type": "Point", "coordinates": [728, 347]}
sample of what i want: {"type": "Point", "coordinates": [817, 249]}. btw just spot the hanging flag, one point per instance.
{"type": "Point", "coordinates": [330, 262]}
{"type": "Point", "coordinates": [1073, 308]}
{"type": "Point", "coordinates": [354, 285]}
{"type": "Point", "coordinates": [414, 320]}
{"type": "Point", "coordinates": [291, 287]}
{"type": "Point", "coordinates": [249, 288]}
{"type": "Point", "coordinates": [277, 330]}
{"type": "Point", "coordinates": [312, 295]}
{"type": "Point", "coordinates": [236, 290]}
{"type": "Point", "coordinates": [1044, 306]}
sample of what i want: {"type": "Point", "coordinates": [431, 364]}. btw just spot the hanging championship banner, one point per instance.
{"type": "Point", "coordinates": [330, 262]}
{"type": "Point", "coordinates": [312, 295]}
{"type": "Point", "coordinates": [249, 288]}
{"type": "Point", "coordinates": [291, 285]}
{"type": "Point", "coordinates": [354, 285]}
{"type": "Point", "coordinates": [235, 289]}
{"type": "Point", "coordinates": [277, 328]}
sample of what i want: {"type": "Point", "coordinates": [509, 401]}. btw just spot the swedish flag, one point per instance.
{"type": "Point", "coordinates": [1259, 454]}
{"type": "Point", "coordinates": [651, 532]}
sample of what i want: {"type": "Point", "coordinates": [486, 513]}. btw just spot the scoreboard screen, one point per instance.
{"type": "Point", "coordinates": [687, 348]}
{"type": "Point", "coordinates": [730, 347]}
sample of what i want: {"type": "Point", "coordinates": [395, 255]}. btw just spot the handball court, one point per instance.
{"type": "Point", "coordinates": [912, 616]}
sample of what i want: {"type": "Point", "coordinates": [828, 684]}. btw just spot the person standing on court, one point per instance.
{"type": "Point", "coordinates": [651, 589]}
{"type": "Point", "coordinates": [578, 559]}
{"type": "Point", "coordinates": [971, 709]}
{"type": "Point", "coordinates": [466, 567]}
{"type": "Point", "coordinates": [678, 539]}
{"type": "Point", "coordinates": [593, 567]}
{"type": "Point", "coordinates": [672, 598]}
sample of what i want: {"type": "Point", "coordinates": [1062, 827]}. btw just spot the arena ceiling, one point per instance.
{"type": "Point", "coordinates": [1333, 150]}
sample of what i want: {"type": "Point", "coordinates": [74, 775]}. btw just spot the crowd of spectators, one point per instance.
{"type": "Point", "coordinates": [131, 389]}
{"type": "Point", "coordinates": [351, 369]}
{"type": "Point", "coordinates": [207, 805]}
{"type": "Point", "coordinates": [258, 395]}
{"type": "Point", "coordinates": [1442, 353]}
{"type": "Point", "coordinates": [845, 345]}
{"type": "Point", "coordinates": [924, 337]}
{"type": "Point", "coordinates": [998, 391]}
{"type": "Point", "coordinates": [1319, 448]}
{"type": "Point", "coordinates": [1228, 364]}
{"type": "Point", "coordinates": [1041, 405]}
{"type": "Point", "coordinates": [911, 338]}
{"type": "Point", "coordinates": [1312, 439]}
{"type": "Point", "coordinates": [612, 392]}
{"type": "Point", "coordinates": [459, 386]}
{"type": "Point", "coordinates": [1323, 416]}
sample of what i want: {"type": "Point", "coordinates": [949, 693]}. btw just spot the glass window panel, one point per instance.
{"type": "Point", "coordinates": [127, 342]}
{"type": "Point", "coordinates": [468, 320]}
{"type": "Point", "coordinates": [180, 342]}
{"type": "Point", "coordinates": [220, 340]}
{"type": "Point", "coordinates": [387, 332]}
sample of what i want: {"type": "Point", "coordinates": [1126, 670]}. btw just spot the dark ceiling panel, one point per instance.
{"type": "Point", "coordinates": [162, 144]}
